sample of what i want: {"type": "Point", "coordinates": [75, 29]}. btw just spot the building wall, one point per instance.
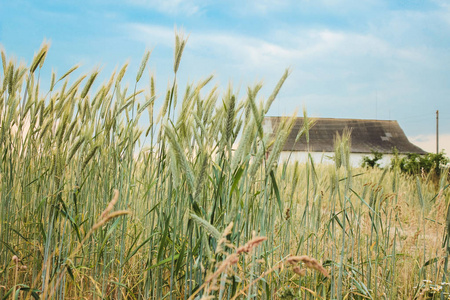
{"type": "Point", "coordinates": [326, 158]}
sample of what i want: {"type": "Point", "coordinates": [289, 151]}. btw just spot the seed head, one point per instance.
{"type": "Point", "coordinates": [251, 244]}
{"type": "Point", "coordinates": [15, 259]}
{"type": "Point", "coordinates": [309, 262]}
{"type": "Point", "coordinates": [299, 271]}
{"type": "Point", "coordinates": [111, 204]}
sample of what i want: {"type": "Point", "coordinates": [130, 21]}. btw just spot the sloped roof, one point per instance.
{"type": "Point", "coordinates": [366, 135]}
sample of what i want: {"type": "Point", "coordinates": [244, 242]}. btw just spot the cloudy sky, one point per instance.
{"type": "Point", "coordinates": [367, 59]}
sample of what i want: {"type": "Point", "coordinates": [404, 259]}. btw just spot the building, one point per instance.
{"type": "Point", "coordinates": [366, 136]}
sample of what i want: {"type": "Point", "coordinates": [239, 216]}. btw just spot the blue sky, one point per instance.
{"type": "Point", "coordinates": [372, 59]}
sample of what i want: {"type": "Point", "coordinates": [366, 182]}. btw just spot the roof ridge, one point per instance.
{"type": "Point", "coordinates": [326, 118]}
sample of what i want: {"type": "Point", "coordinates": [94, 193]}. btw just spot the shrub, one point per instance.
{"type": "Point", "coordinates": [415, 164]}
{"type": "Point", "coordinates": [369, 162]}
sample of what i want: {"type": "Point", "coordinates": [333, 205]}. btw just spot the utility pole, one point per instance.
{"type": "Point", "coordinates": [437, 131]}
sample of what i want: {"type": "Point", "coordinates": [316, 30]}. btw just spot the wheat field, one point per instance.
{"type": "Point", "coordinates": [195, 204]}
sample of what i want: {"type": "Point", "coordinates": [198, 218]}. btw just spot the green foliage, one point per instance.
{"type": "Point", "coordinates": [416, 164]}
{"type": "Point", "coordinates": [372, 162]}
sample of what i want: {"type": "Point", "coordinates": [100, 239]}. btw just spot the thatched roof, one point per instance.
{"type": "Point", "coordinates": [366, 135]}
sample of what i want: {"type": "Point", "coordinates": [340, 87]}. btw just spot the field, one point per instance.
{"type": "Point", "coordinates": [195, 204]}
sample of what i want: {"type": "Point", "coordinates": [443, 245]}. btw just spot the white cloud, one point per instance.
{"type": "Point", "coordinates": [151, 33]}
{"type": "Point", "coordinates": [245, 50]}
{"type": "Point", "coordinates": [428, 142]}
{"type": "Point", "coordinates": [171, 7]}
{"type": "Point", "coordinates": [296, 45]}
{"type": "Point", "coordinates": [263, 6]}
{"type": "Point", "coordinates": [303, 45]}
{"type": "Point", "coordinates": [332, 69]}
